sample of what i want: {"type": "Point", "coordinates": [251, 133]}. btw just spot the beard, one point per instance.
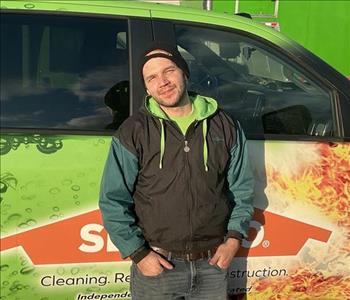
{"type": "Point", "coordinates": [180, 100]}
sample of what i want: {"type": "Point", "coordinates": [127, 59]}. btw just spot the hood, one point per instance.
{"type": "Point", "coordinates": [204, 106]}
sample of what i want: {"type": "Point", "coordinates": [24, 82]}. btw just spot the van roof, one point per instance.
{"type": "Point", "coordinates": [79, 5]}
{"type": "Point", "coordinates": [146, 9]}
{"type": "Point", "coordinates": [102, 3]}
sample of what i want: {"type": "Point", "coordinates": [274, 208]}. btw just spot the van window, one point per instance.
{"type": "Point", "coordinates": [63, 72]}
{"type": "Point", "coordinates": [265, 92]}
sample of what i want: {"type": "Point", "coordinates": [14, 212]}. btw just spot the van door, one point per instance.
{"type": "Point", "coordinates": [299, 149]}
{"type": "Point", "coordinates": [65, 88]}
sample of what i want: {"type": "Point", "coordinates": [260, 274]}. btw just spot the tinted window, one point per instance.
{"type": "Point", "coordinates": [267, 93]}
{"type": "Point", "coordinates": [63, 72]}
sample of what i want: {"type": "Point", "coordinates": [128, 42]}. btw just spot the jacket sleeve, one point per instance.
{"type": "Point", "coordinates": [116, 201]}
{"type": "Point", "coordinates": [241, 187]}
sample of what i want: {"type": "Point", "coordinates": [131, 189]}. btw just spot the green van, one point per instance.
{"type": "Point", "coordinates": [69, 78]}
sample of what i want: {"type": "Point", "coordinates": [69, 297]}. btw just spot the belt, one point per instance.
{"type": "Point", "coordinates": [185, 255]}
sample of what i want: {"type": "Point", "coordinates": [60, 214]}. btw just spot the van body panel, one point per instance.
{"type": "Point", "coordinates": [52, 231]}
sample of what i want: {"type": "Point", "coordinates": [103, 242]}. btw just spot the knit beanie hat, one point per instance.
{"type": "Point", "coordinates": [172, 54]}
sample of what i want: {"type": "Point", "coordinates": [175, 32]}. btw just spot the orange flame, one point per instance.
{"type": "Point", "coordinates": [304, 284]}
{"type": "Point", "coordinates": [324, 184]}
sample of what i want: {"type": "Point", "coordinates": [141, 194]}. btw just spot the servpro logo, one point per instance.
{"type": "Point", "coordinates": [83, 239]}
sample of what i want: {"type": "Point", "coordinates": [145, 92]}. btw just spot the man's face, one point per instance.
{"type": "Point", "coordinates": [164, 81]}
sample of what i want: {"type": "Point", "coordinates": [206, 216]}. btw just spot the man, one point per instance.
{"type": "Point", "coordinates": [176, 194]}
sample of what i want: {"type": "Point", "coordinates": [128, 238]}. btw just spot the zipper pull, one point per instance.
{"type": "Point", "coordinates": [186, 148]}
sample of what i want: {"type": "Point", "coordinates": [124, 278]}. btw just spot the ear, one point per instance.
{"type": "Point", "coordinates": [148, 93]}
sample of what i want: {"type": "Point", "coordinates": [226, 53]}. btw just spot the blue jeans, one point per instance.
{"type": "Point", "coordinates": [186, 281]}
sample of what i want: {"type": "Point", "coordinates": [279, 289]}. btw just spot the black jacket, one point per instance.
{"type": "Point", "coordinates": [173, 191]}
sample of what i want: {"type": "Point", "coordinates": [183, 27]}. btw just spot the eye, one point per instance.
{"type": "Point", "coordinates": [149, 79]}
{"type": "Point", "coordinates": [170, 70]}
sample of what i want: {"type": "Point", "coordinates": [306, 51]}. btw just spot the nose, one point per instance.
{"type": "Point", "coordinates": [163, 80]}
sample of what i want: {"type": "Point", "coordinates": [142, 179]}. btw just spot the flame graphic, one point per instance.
{"type": "Point", "coordinates": [304, 284]}
{"type": "Point", "coordinates": [325, 185]}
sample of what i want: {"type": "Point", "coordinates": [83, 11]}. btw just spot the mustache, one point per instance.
{"type": "Point", "coordinates": [166, 89]}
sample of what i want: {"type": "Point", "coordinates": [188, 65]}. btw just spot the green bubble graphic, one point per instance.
{"type": "Point", "coordinates": [4, 268]}
{"type": "Point", "coordinates": [27, 270]}
{"type": "Point", "coordinates": [75, 188]}
{"type": "Point", "coordinates": [54, 190]}
{"type": "Point", "coordinates": [67, 182]}
{"type": "Point", "coordinates": [29, 210]}
{"type": "Point", "coordinates": [31, 222]}
{"type": "Point", "coordinates": [13, 288]}
{"type": "Point", "coordinates": [13, 217]}
{"type": "Point", "coordinates": [55, 208]}
{"type": "Point", "coordinates": [74, 271]}
{"type": "Point", "coordinates": [54, 217]}
{"type": "Point", "coordinates": [23, 262]}
{"type": "Point", "coordinates": [22, 225]}
{"type": "Point", "coordinates": [19, 286]}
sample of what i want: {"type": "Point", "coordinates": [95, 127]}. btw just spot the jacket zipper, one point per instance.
{"type": "Point", "coordinates": [190, 204]}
